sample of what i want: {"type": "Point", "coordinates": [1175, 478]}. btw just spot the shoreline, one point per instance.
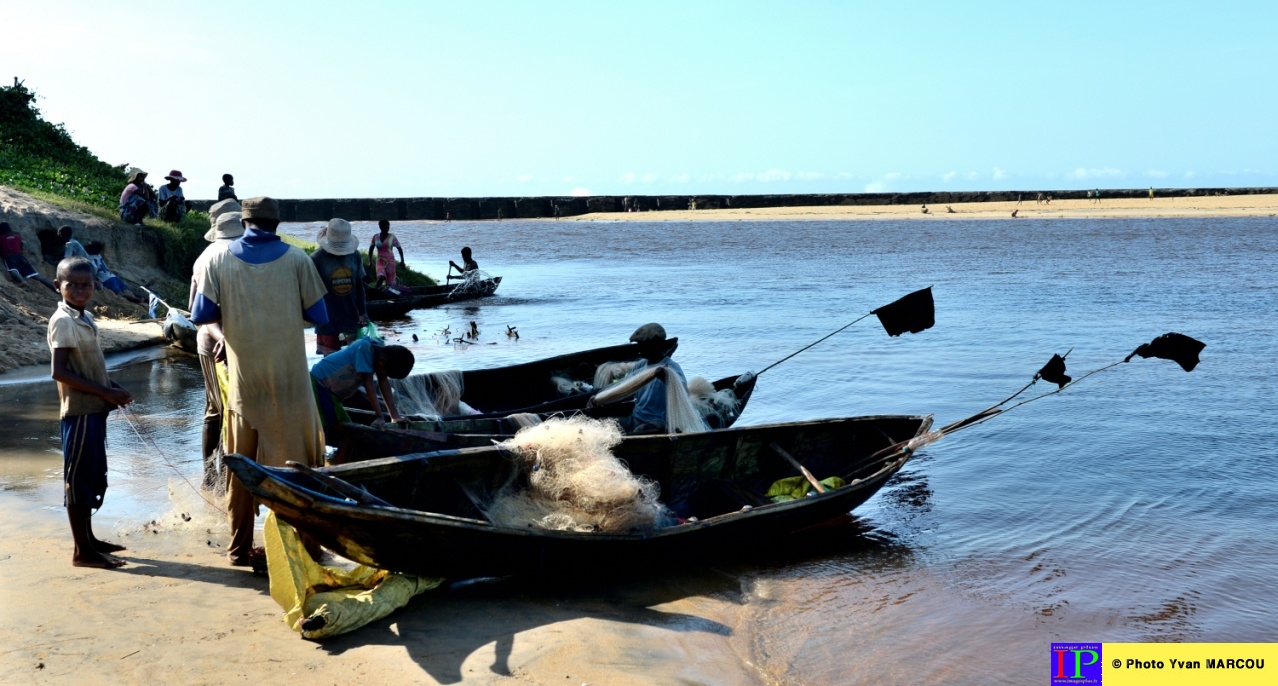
{"type": "Point", "coordinates": [1260, 205]}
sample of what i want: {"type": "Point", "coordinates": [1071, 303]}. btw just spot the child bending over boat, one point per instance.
{"type": "Point", "coordinates": [339, 378]}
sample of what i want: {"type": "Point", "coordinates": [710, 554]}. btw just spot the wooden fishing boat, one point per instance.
{"type": "Point", "coordinates": [356, 441]}
{"type": "Point", "coordinates": [426, 514]}
{"type": "Point", "coordinates": [529, 386]}
{"type": "Point", "coordinates": [382, 305]}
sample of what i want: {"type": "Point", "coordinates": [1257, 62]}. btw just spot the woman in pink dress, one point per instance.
{"type": "Point", "coordinates": [381, 253]}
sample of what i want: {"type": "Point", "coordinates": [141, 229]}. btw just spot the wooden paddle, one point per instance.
{"type": "Point", "coordinates": [347, 489]}
{"type": "Point", "coordinates": [795, 463]}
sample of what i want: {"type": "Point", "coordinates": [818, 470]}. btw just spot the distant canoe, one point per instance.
{"type": "Point", "coordinates": [434, 520]}
{"type": "Point", "coordinates": [383, 306]}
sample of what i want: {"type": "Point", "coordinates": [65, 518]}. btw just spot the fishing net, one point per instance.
{"type": "Point", "coordinates": [435, 395]}
{"type": "Point", "coordinates": [524, 419]}
{"type": "Point", "coordinates": [609, 373]}
{"type": "Point", "coordinates": [575, 483]}
{"type": "Point", "coordinates": [682, 416]}
{"type": "Point", "coordinates": [721, 405]}
{"type": "Point", "coordinates": [475, 281]}
{"type": "Point", "coordinates": [566, 387]}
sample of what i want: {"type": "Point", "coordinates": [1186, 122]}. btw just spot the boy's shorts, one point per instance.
{"type": "Point", "coordinates": [84, 465]}
{"type": "Point", "coordinates": [20, 266]}
{"type": "Point", "coordinates": [114, 284]}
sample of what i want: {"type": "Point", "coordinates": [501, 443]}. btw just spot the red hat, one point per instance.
{"type": "Point", "coordinates": [175, 175]}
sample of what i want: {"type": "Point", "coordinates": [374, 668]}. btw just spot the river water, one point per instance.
{"type": "Point", "coordinates": [1139, 505]}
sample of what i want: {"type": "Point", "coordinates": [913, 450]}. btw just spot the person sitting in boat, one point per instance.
{"type": "Point", "coordinates": [381, 253]}
{"type": "Point", "coordinates": [649, 415]}
{"type": "Point", "coordinates": [342, 270]}
{"type": "Point", "coordinates": [467, 266]}
{"type": "Point", "coordinates": [340, 378]}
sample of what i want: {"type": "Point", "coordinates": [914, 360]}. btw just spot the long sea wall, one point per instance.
{"type": "Point", "coordinates": [400, 209]}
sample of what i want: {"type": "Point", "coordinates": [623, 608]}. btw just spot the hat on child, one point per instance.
{"type": "Point", "coordinates": [136, 175]}
{"type": "Point", "coordinates": [261, 208]}
{"type": "Point", "coordinates": [227, 227]}
{"type": "Point", "coordinates": [336, 238]}
{"type": "Point", "coordinates": [175, 175]}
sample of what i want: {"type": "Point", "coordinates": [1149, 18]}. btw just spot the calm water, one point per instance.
{"type": "Point", "coordinates": [1139, 505]}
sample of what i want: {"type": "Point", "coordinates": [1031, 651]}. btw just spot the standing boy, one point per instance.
{"type": "Point", "coordinates": [227, 191]}
{"type": "Point", "coordinates": [87, 395]}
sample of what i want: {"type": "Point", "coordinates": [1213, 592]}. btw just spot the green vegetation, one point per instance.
{"type": "Point", "coordinates": [41, 159]}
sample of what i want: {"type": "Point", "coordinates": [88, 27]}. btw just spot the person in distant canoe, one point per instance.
{"type": "Point", "coordinates": [339, 378]}
{"type": "Point", "coordinates": [467, 266]}
{"type": "Point", "coordinates": [342, 270]}
{"type": "Point", "coordinates": [137, 201]}
{"type": "Point", "coordinates": [381, 254]}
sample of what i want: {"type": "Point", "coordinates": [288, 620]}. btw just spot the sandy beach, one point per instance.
{"type": "Point", "coordinates": [1208, 206]}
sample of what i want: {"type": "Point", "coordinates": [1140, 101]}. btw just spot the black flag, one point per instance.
{"type": "Point", "coordinates": [914, 313]}
{"type": "Point", "coordinates": [1054, 371]}
{"type": "Point", "coordinates": [1176, 347]}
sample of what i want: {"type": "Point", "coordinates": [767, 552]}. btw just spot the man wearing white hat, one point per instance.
{"type": "Point", "coordinates": [225, 216]}
{"type": "Point", "coordinates": [342, 270]}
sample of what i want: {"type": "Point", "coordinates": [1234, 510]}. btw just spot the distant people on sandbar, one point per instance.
{"type": "Point", "coordinates": [257, 297]}
{"type": "Point", "coordinates": [105, 277]}
{"type": "Point", "coordinates": [381, 255]}
{"type": "Point", "coordinates": [925, 210]}
{"type": "Point", "coordinates": [1014, 213]}
{"type": "Point", "coordinates": [15, 262]}
{"type": "Point", "coordinates": [467, 266]}
{"type": "Point", "coordinates": [1151, 192]}
{"type": "Point", "coordinates": [1038, 199]}
{"type": "Point", "coordinates": [950, 210]}
{"type": "Point", "coordinates": [173, 202]}
{"type": "Point", "coordinates": [227, 189]}
{"type": "Point", "coordinates": [138, 200]}
{"type": "Point", "coordinates": [1096, 195]}
{"type": "Point", "coordinates": [556, 212]}
{"type": "Point", "coordinates": [341, 267]}
{"type": "Point", "coordinates": [346, 380]}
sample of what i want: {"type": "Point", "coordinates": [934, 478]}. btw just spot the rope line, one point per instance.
{"type": "Point", "coordinates": [128, 417]}
{"type": "Point", "coordinates": [813, 343]}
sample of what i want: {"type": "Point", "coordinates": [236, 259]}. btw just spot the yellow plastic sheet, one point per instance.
{"type": "Point", "coordinates": [344, 600]}
{"type": "Point", "coordinates": [795, 487]}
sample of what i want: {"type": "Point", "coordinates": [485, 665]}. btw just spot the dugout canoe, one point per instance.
{"type": "Point", "coordinates": [382, 306]}
{"type": "Point", "coordinates": [528, 387]}
{"type": "Point", "coordinates": [356, 441]}
{"type": "Point", "coordinates": [433, 521]}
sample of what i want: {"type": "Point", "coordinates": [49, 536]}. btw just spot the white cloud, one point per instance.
{"type": "Point", "coordinates": [1084, 174]}
{"type": "Point", "coordinates": [568, 179]}
{"type": "Point", "coordinates": [875, 187]}
{"type": "Point", "coordinates": [524, 178]}
{"type": "Point", "coordinates": [972, 176]}
{"type": "Point", "coordinates": [580, 192]}
{"type": "Point", "coordinates": [1156, 173]}
{"type": "Point", "coordinates": [628, 177]}
{"type": "Point", "coordinates": [648, 177]}
{"type": "Point", "coordinates": [773, 175]}
{"type": "Point", "coordinates": [948, 176]}
{"type": "Point", "coordinates": [893, 176]}
{"type": "Point", "coordinates": [809, 176]}
{"type": "Point", "coordinates": [1190, 175]}
{"type": "Point", "coordinates": [680, 178]}
{"type": "Point", "coordinates": [999, 174]}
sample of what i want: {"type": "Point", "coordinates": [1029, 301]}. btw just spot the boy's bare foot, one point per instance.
{"type": "Point", "coordinates": [97, 561]}
{"type": "Point", "coordinates": [104, 547]}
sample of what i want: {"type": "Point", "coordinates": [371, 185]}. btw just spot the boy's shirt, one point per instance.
{"type": "Point", "coordinates": [345, 371]}
{"type": "Point", "coordinates": [76, 331]}
{"type": "Point", "coordinates": [74, 249]}
{"type": "Point", "coordinates": [10, 244]}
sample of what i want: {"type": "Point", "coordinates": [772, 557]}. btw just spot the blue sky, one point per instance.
{"type": "Point", "coordinates": [320, 99]}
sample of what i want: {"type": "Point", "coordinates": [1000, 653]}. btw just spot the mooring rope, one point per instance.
{"type": "Point", "coordinates": [129, 417]}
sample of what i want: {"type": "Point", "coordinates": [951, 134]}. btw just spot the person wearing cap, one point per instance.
{"type": "Point", "coordinates": [342, 269]}
{"type": "Point", "coordinates": [225, 216]}
{"type": "Point", "coordinates": [257, 296]}
{"type": "Point", "coordinates": [173, 204]}
{"type": "Point", "coordinates": [649, 415]}
{"type": "Point", "coordinates": [137, 201]}
{"type": "Point", "coordinates": [11, 251]}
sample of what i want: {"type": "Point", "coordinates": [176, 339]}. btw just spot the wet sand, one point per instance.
{"type": "Point", "coordinates": [1209, 206]}
{"type": "Point", "coordinates": [178, 614]}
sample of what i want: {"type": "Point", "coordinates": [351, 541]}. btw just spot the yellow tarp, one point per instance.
{"type": "Point", "coordinates": [795, 487]}
{"type": "Point", "coordinates": [345, 600]}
